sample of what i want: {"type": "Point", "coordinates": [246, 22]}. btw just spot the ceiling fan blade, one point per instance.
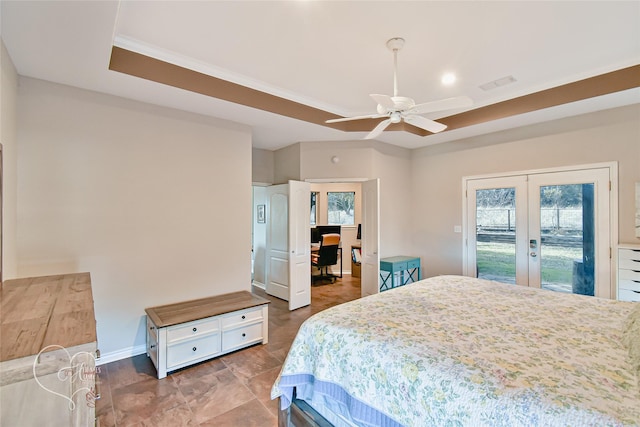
{"type": "Point", "coordinates": [346, 119]}
{"type": "Point", "coordinates": [424, 123]}
{"type": "Point", "coordinates": [384, 100]}
{"type": "Point", "coordinates": [443, 104]}
{"type": "Point", "coordinates": [378, 129]}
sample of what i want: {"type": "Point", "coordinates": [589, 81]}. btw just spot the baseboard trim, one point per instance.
{"type": "Point", "coordinates": [259, 285]}
{"type": "Point", "coordinates": [121, 354]}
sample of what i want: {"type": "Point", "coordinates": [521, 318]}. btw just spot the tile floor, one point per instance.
{"type": "Point", "coordinates": [232, 390]}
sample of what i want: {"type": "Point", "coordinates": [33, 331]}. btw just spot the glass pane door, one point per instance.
{"type": "Point", "coordinates": [546, 230]}
{"type": "Point", "coordinates": [496, 234]}
{"type": "Point", "coordinates": [567, 251]}
{"type": "Point", "coordinates": [569, 239]}
{"type": "Point", "coordinates": [497, 229]}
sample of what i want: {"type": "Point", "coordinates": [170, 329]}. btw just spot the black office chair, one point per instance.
{"type": "Point", "coordinates": [326, 256]}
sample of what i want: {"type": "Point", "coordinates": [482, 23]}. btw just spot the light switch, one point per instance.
{"type": "Point", "coordinates": [457, 229]}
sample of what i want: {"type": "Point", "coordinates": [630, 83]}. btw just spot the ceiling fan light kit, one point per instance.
{"type": "Point", "coordinates": [400, 108]}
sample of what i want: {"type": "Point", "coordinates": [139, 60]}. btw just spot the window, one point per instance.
{"type": "Point", "coordinates": [340, 208]}
{"type": "Point", "coordinates": [314, 210]}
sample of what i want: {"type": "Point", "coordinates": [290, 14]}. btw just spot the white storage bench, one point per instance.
{"type": "Point", "coordinates": [189, 332]}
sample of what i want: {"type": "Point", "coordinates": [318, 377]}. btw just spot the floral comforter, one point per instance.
{"type": "Point", "coordinates": [453, 350]}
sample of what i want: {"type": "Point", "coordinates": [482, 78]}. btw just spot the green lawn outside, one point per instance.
{"type": "Point", "coordinates": [498, 260]}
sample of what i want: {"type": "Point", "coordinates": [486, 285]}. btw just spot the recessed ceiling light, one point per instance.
{"type": "Point", "coordinates": [448, 79]}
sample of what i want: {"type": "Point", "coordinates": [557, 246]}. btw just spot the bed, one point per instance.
{"type": "Point", "coordinates": [452, 350]}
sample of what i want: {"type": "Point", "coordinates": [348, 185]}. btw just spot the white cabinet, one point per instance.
{"type": "Point", "coordinates": [629, 272]}
{"type": "Point", "coordinates": [182, 334]}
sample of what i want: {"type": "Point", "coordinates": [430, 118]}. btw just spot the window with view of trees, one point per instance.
{"type": "Point", "coordinates": [340, 208]}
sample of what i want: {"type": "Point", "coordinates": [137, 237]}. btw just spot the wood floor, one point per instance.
{"type": "Point", "coordinates": [232, 390]}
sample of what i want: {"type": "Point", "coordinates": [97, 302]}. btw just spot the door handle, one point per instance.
{"type": "Point", "coordinates": [533, 254]}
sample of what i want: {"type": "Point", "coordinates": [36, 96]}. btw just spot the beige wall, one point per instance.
{"type": "Point", "coordinates": [355, 159]}
{"type": "Point", "coordinates": [286, 164]}
{"type": "Point", "coordinates": [154, 203]}
{"type": "Point", "coordinates": [262, 164]}
{"type": "Point", "coordinates": [8, 100]}
{"type": "Point", "coordinates": [437, 172]}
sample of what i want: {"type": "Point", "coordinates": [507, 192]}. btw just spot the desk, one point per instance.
{"type": "Point", "coordinates": [316, 246]}
{"type": "Point", "coordinates": [398, 264]}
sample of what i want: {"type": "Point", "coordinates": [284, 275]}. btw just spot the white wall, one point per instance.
{"type": "Point", "coordinates": [437, 172]}
{"type": "Point", "coordinates": [8, 106]}
{"type": "Point", "coordinates": [154, 203]}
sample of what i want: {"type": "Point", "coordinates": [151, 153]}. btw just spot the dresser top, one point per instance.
{"type": "Point", "coordinates": [42, 311]}
{"type": "Point", "coordinates": [173, 314]}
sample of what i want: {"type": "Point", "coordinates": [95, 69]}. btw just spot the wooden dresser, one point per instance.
{"type": "Point", "coordinates": [48, 325]}
{"type": "Point", "coordinates": [189, 332]}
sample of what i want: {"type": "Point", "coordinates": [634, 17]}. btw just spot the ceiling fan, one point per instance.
{"type": "Point", "coordinates": [398, 108]}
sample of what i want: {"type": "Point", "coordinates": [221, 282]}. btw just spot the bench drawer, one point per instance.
{"type": "Point", "coordinates": [241, 337]}
{"type": "Point", "coordinates": [243, 317]}
{"type": "Point", "coordinates": [192, 350]}
{"type": "Point", "coordinates": [192, 329]}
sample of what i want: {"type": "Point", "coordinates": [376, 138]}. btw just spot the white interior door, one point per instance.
{"type": "Point", "coordinates": [370, 264]}
{"type": "Point", "coordinates": [277, 219]}
{"type": "Point", "coordinates": [288, 266]}
{"type": "Point", "coordinates": [299, 244]}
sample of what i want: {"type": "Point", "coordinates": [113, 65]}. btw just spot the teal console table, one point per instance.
{"type": "Point", "coordinates": [398, 264]}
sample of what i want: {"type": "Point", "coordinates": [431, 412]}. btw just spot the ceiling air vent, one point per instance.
{"type": "Point", "coordinates": [497, 83]}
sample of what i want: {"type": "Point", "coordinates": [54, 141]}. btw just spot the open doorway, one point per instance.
{"type": "Point", "coordinates": [349, 231]}
{"type": "Point", "coordinates": [337, 206]}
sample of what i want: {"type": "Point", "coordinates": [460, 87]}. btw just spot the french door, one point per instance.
{"type": "Point", "coordinates": [548, 230]}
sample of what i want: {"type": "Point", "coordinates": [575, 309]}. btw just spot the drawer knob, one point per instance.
{"type": "Point", "coordinates": [194, 349]}
{"type": "Point", "coordinates": [243, 317]}
{"type": "Point", "coordinates": [151, 328]}
{"type": "Point", "coordinates": [244, 335]}
{"type": "Point", "coordinates": [195, 329]}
